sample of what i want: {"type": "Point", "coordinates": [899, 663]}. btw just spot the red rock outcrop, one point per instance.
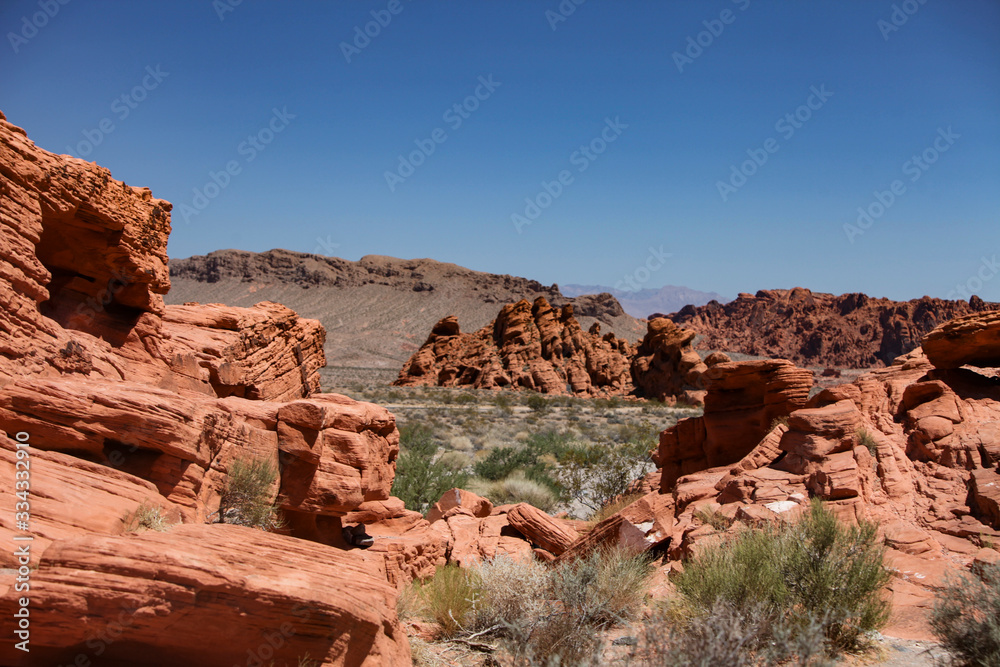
{"type": "Point", "coordinates": [743, 399]}
{"type": "Point", "coordinates": [187, 597]}
{"type": "Point", "coordinates": [911, 447]}
{"type": "Point", "coordinates": [973, 340]}
{"type": "Point", "coordinates": [126, 402]}
{"type": "Point", "coordinates": [816, 329]}
{"type": "Point", "coordinates": [537, 347]}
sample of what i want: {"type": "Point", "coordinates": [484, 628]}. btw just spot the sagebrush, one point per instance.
{"type": "Point", "coordinates": [247, 499]}
{"type": "Point", "coordinates": [818, 570]}
{"type": "Point", "coordinates": [966, 617]}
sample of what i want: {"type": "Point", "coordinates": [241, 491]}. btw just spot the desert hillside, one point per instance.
{"type": "Point", "coordinates": [377, 311]}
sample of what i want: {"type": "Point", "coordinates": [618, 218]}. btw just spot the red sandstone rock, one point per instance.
{"type": "Point", "coordinates": [541, 529]}
{"type": "Point", "coordinates": [208, 595]}
{"type": "Point", "coordinates": [127, 402]}
{"type": "Point", "coordinates": [910, 447]}
{"type": "Point", "coordinates": [973, 339]}
{"type": "Point", "coordinates": [743, 400]}
{"type": "Point", "coordinates": [459, 498]}
{"type": "Point", "coordinates": [538, 347]}
{"type": "Point", "coordinates": [815, 329]}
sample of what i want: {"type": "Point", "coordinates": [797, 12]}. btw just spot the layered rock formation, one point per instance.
{"type": "Point", "coordinates": [125, 402]}
{"type": "Point", "coordinates": [913, 447]}
{"type": "Point", "coordinates": [535, 346]}
{"type": "Point", "coordinates": [815, 329]}
{"type": "Point", "coordinates": [742, 403]}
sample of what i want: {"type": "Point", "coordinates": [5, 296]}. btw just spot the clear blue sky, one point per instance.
{"type": "Point", "coordinates": [322, 179]}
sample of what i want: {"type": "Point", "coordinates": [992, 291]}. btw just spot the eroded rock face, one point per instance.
{"type": "Point", "coordinates": [189, 597]}
{"type": "Point", "coordinates": [128, 403]}
{"type": "Point", "coordinates": [743, 399]}
{"type": "Point", "coordinates": [911, 447]}
{"type": "Point", "coordinates": [541, 348]}
{"type": "Point", "coordinates": [973, 340]}
{"type": "Point", "coordinates": [815, 329]}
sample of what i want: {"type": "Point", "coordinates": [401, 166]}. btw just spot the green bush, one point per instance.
{"type": "Point", "coordinates": [535, 458]}
{"type": "Point", "coordinates": [246, 500]}
{"type": "Point", "coordinates": [537, 402]}
{"type": "Point", "coordinates": [596, 474]}
{"type": "Point", "coordinates": [818, 570]}
{"type": "Point", "coordinates": [966, 618]}
{"type": "Point", "coordinates": [422, 476]}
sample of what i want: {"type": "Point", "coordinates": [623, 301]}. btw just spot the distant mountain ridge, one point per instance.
{"type": "Point", "coordinates": [644, 302]}
{"type": "Point", "coordinates": [816, 329]}
{"type": "Point", "coordinates": [377, 310]}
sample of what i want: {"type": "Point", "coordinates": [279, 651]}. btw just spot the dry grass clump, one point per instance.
{"type": "Point", "coordinates": [447, 598]}
{"type": "Point", "coordinates": [515, 489]}
{"type": "Point", "coordinates": [146, 516]}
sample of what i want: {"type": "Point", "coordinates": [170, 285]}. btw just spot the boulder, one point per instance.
{"type": "Point", "coordinates": [459, 498]}
{"type": "Point", "coordinates": [232, 593]}
{"type": "Point", "coordinates": [970, 340]}
{"type": "Point", "coordinates": [542, 530]}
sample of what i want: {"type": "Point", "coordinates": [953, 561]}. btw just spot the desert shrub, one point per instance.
{"type": "Point", "coordinates": [510, 592]}
{"type": "Point", "coordinates": [818, 569]}
{"type": "Point", "coordinates": [564, 606]}
{"type": "Point", "coordinates": [454, 460]}
{"type": "Point", "coordinates": [516, 489]}
{"type": "Point", "coordinates": [728, 636]}
{"type": "Point", "coordinates": [966, 618]}
{"type": "Point", "coordinates": [246, 500]}
{"type": "Point", "coordinates": [145, 517]}
{"type": "Point", "coordinates": [596, 474]}
{"type": "Point", "coordinates": [537, 402]}
{"type": "Point", "coordinates": [449, 597]}
{"type": "Point", "coordinates": [535, 458]}
{"type": "Point", "coordinates": [421, 476]}
{"type": "Point", "coordinates": [466, 399]}
{"type": "Point", "coordinates": [503, 403]}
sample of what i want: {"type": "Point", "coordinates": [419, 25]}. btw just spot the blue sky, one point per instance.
{"type": "Point", "coordinates": [651, 113]}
